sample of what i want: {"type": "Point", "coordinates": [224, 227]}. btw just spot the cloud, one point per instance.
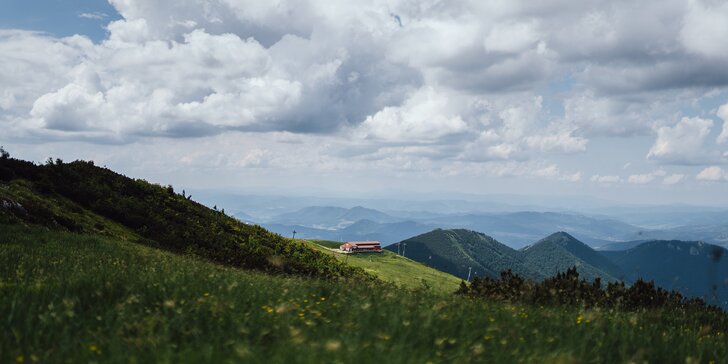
{"type": "Point", "coordinates": [705, 30]}
{"type": "Point", "coordinates": [712, 174]}
{"type": "Point", "coordinates": [97, 15]}
{"type": "Point", "coordinates": [331, 67]}
{"type": "Point", "coordinates": [641, 179]}
{"type": "Point", "coordinates": [426, 115]}
{"type": "Point", "coordinates": [682, 143]}
{"type": "Point", "coordinates": [723, 114]}
{"type": "Point", "coordinates": [500, 84]}
{"type": "Point", "coordinates": [605, 179]}
{"type": "Point", "coordinates": [673, 179]}
{"type": "Point", "coordinates": [600, 116]}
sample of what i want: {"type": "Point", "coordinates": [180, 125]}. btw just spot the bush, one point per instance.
{"type": "Point", "coordinates": [567, 289]}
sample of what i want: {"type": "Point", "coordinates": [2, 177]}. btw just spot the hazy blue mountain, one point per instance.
{"type": "Point", "coordinates": [714, 234]}
{"type": "Point", "coordinates": [520, 228]}
{"type": "Point", "coordinates": [623, 245]}
{"type": "Point", "coordinates": [665, 217]}
{"type": "Point", "coordinates": [691, 267]}
{"type": "Point", "coordinates": [386, 233]}
{"type": "Point", "coordinates": [242, 216]}
{"type": "Point", "coordinates": [561, 251]}
{"type": "Point", "coordinates": [331, 217]}
{"type": "Point", "coordinates": [455, 251]}
{"type": "Point", "coordinates": [513, 229]}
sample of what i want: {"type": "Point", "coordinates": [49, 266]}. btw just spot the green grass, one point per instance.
{"type": "Point", "coordinates": [77, 298]}
{"type": "Point", "coordinates": [395, 269]}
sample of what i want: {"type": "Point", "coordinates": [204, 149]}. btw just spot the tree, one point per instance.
{"type": "Point", "coordinates": [4, 154]}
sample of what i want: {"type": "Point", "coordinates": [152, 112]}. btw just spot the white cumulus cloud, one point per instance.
{"type": "Point", "coordinates": [712, 174]}
{"type": "Point", "coordinates": [605, 179]}
{"type": "Point", "coordinates": [641, 179]}
{"type": "Point", "coordinates": [723, 114]}
{"type": "Point", "coordinates": [683, 143]}
{"type": "Point", "coordinates": [673, 179]}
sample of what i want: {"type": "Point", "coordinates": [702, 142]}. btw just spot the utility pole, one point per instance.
{"type": "Point", "coordinates": [469, 269]}
{"type": "Point", "coordinates": [294, 235]}
{"type": "Point", "coordinates": [398, 249]}
{"type": "Point", "coordinates": [404, 248]}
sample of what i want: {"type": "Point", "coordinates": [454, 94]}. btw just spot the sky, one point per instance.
{"type": "Point", "coordinates": [621, 100]}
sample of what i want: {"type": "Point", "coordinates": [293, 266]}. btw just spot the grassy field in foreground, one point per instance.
{"type": "Point", "coordinates": [75, 298]}
{"type": "Point", "coordinates": [396, 269]}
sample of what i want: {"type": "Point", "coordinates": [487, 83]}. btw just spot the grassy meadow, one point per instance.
{"type": "Point", "coordinates": [81, 298]}
{"type": "Point", "coordinates": [392, 268]}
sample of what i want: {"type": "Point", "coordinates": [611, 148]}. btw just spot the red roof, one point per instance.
{"type": "Point", "coordinates": [358, 243]}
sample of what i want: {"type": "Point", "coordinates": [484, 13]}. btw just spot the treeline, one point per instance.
{"type": "Point", "coordinates": [568, 289]}
{"type": "Point", "coordinates": [164, 218]}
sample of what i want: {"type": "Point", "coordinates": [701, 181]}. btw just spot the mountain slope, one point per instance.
{"type": "Point", "coordinates": [690, 267]}
{"type": "Point", "coordinates": [561, 251]}
{"type": "Point", "coordinates": [393, 268]}
{"type": "Point", "coordinates": [455, 251]}
{"type": "Point", "coordinates": [79, 298]}
{"type": "Point", "coordinates": [81, 197]}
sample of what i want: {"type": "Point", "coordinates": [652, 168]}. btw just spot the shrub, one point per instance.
{"type": "Point", "coordinates": [568, 289]}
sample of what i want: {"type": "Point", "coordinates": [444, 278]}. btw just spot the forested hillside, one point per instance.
{"type": "Point", "coordinates": [459, 251]}
{"type": "Point", "coordinates": [82, 197]}
{"type": "Point", "coordinates": [561, 251]}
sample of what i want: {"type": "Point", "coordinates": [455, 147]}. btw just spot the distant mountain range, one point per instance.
{"type": "Point", "coordinates": [692, 268]}
{"type": "Point", "coordinates": [332, 218]}
{"type": "Point", "coordinates": [515, 229]}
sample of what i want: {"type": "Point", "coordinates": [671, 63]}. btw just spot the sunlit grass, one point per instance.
{"type": "Point", "coordinates": [74, 298]}
{"type": "Point", "coordinates": [395, 269]}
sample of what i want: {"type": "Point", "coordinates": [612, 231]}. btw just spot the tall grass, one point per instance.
{"type": "Point", "coordinates": [73, 298]}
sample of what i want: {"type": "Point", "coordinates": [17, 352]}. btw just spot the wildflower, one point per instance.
{"type": "Point", "coordinates": [20, 359]}
{"type": "Point", "coordinates": [323, 298]}
{"type": "Point", "coordinates": [477, 349]}
{"type": "Point", "coordinates": [206, 294]}
{"type": "Point", "coordinates": [579, 319]}
{"type": "Point", "coordinates": [333, 345]}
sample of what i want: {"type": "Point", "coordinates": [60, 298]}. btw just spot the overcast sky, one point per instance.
{"type": "Point", "coordinates": [621, 100]}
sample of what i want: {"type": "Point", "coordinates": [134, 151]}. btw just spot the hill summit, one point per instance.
{"type": "Point", "coordinates": [460, 251]}
{"type": "Point", "coordinates": [560, 251]}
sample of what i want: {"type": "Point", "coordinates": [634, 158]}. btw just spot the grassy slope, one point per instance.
{"type": "Point", "coordinates": [79, 298]}
{"type": "Point", "coordinates": [82, 197]}
{"type": "Point", "coordinates": [396, 269]}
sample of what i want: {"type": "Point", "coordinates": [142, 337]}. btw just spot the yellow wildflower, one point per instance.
{"type": "Point", "coordinates": [333, 345]}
